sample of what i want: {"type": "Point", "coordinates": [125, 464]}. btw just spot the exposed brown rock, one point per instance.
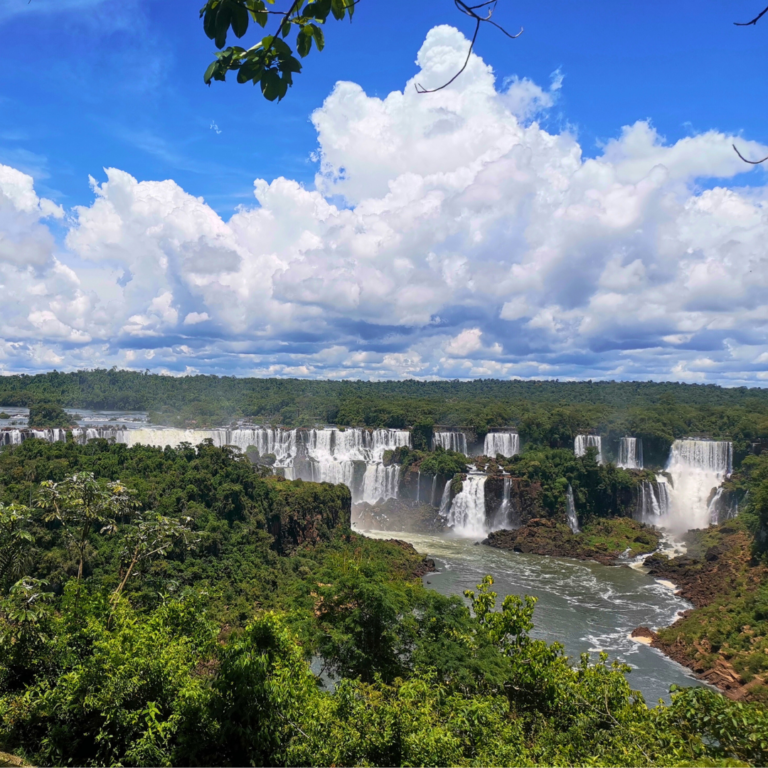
{"type": "Point", "coordinates": [543, 536]}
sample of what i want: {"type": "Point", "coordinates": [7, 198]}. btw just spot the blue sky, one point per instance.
{"type": "Point", "coordinates": [92, 85]}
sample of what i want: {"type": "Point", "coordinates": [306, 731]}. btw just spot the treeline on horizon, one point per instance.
{"type": "Point", "coordinates": [545, 412]}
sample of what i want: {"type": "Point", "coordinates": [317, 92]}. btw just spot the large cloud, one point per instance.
{"type": "Point", "coordinates": [448, 235]}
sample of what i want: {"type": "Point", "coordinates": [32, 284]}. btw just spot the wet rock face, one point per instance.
{"type": "Point", "coordinates": [524, 499]}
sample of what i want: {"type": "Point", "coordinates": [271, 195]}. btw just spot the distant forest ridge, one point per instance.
{"type": "Point", "coordinates": [544, 411]}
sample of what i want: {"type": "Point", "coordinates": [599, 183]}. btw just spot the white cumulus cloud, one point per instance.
{"type": "Point", "coordinates": [448, 235]}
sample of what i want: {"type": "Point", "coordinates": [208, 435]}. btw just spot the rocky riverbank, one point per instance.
{"type": "Point", "coordinates": [609, 541]}
{"type": "Point", "coordinates": [724, 638]}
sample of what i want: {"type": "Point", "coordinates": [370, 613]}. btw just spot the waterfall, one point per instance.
{"type": "Point", "coordinates": [724, 506]}
{"type": "Point", "coordinates": [570, 508]}
{"type": "Point", "coordinates": [354, 457]}
{"type": "Point", "coordinates": [630, 453]}
{"type": "Point", "coordinates": [467, 514]}
{"type": "Point", "coordinates": [652, 501]}
{"type": "Point", "coordinates": [432, 492]}
{"type": "Point", "coordinates": [418, 487]}
{"type": "Point", "coordinates": [451, 441]}
{"type": "Point", "coordinates": [696, 467]}
{"type": "Point", "coordinates": [507, 517]}
{"type": "Point", "coordinates": [505, 443]}
{"type": "Point", "coordinates": [445, 499]}
{"type": "Point", "coordinates": [582, 442]}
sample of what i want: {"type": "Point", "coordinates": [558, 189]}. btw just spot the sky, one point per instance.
{"type": "Point", "coordinates": [570, 207]}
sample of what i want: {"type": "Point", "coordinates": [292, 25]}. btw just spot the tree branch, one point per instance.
{"type": "Point", "coordinates": [471, 11]}
{"type": "Point", "coordinates": [753, 22]}
{"type": "Point", "coordinates": [751, 162]}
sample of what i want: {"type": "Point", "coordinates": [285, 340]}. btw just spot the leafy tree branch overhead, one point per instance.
{"type": "Point", "coordinates": [271, 62]}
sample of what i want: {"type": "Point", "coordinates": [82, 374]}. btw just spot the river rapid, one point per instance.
{"type": "Point", "coordinates": [586, 606]}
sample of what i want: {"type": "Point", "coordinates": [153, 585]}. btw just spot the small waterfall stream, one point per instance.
{"type": "Point", "coordinates": [467, 513]}
{"type": "Point", "coordinates": [570, 508]}
{"type": "Point", "coordinates": [630, 453]}
{"type": "Point", "coordinates": [582, 442]}
{"type": "Point", "coordinates": [505, 443]}
{"type": "Point", "coordinates": [450, 441]}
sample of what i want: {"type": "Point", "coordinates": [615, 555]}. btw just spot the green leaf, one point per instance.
{"type": "Point", "coordinates": [209, 22]}
{"type": "Point", "coordinates": [270, 85]}
{"type": "Point", "coordinates": [209, 72]}
{"type": "Point", "coordinates": [289, 64]}
{"type": "Point", "coordinates": [304, 41]}
{"type": "Point", "coordinates": [281, 47]}
{"type": "Point", "coordinates": [318, 9]}
{"type": "Point", "coordinates": [223, 18]}
{"type": "Point", "coordinates": [338, 7]}
{"type": "Point", "coordinates": [239, 20]}
{"type": "Point", "coordinates": [317, 35]}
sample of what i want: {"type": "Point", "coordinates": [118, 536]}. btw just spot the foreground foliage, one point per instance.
{"type": "Point", "coordinates": [196, 625]}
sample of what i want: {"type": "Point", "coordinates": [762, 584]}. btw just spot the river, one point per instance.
{"type": "Point", "coordinates": [583, 605]}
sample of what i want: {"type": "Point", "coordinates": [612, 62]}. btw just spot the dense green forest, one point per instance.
{"type": "Point", "coordinates": [162, 607]}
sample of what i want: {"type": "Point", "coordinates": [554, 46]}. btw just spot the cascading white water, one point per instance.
{"type": "Point", "coordinates": [505, 443]}
{"type": "Point", "coordinates": [723, 507]}
{"type": "Point", "coordinates": [445, 499]}
{"type": "Point", "coordinates": [582, 442]}
{"type": "Point", "coordinates": [432, 492]}
{"type": "Point", "coordinates": [506, 517]}
{"type": "Point", "coordinates": [630, 453]}
{"type": "Point", "coordinates": [321, 455]}
{"type": "Point", "coordinates": [696, 467]}
{"type": "Point", "coordinates": [467, 514]}
{"type": "Point", "coordinates": [450, 441]}
{"type": "Point", "coordinates": [570, 509]}
{"type": "Point", "coordinates": [18, 436]}
{"type": "Point", "coordinates": [652, 501]}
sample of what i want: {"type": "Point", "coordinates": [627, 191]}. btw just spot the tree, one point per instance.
{"type": "Point", "coordinates": [48, 416]}
{"type": "Point", "coordinates": [79, 503]}
{"type": "Point", "coordinates": [15, 540]}
{"type": "Point", "coordinates": [270, 63]}
{"type": "Point", "coordinates": [152, 537]}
